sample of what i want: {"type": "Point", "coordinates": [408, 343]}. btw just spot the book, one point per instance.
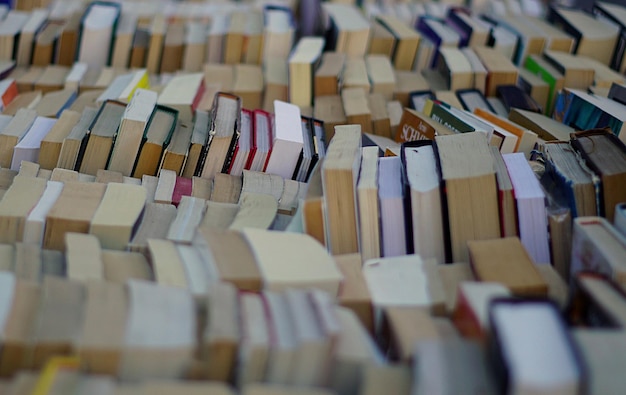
{"type": "Point", "coordinates": [36, 219]}
{"type": "Point", "coordinates": [548, 73]}
{"type": "Point", "coordinates": [72, 212]}
{"type": "Point", "coordinates": [605, 144]}
{"type": "Point", "coordinates": [287, 142]}
{"type": "Point", "coordinates": [117, 215]}
{"type": "Point", "coordinates": [157, 136]}
{"type": "Point", "coordinates": [415, 126]}
{"type": "Point", "coordinates": [349, 30]}
{"type": "Point", "coordinates": [576, 74]}
{"type": "Point", "coordinates": [590, 34]}
{"type": "Point", "coordinates": [122, 45]}
{"type": "Point", "coordinates": [356, 107]}
{"type": "Point", "coordinates": [199, 137]}
{"type": "Point", "coordinates": [367, 198]}
{"type": "Point", "coordinates": [248, 85]}
{"type": "Point", "coordinates": [597, 247]}
{"type": "Point", "coordinates": [97, 30]}
{"type": "Point", "coordinates": [13, 133]}
{"type": "Point", "coordinates": [381, 40]}
{"type": "Point", "coordinates": [407, 41]}
{"type": "Point", "coordinates": [522, 362]}
{"type": "Point", "coordinates": [464, 364]}
{"type": "Point", "coordinates": [381, 75]}
{"type": "Point", "coordinates": [98, 142]}
{"type": "Point", "coordinates": [500, 69]}
{"type": "Point", "coordinates": [233, 258]}
{"type": "Point", "coordinates": [600, 349]}
{"type": "Point", "coordinates": [28, 147]}
{"type": "Point", "coordinates": [188, 216]}
{"type": "Point", "coordinates": [71, 143]}
{"type": "Point", "coordinates": [131, 131]}
{"type": "Point", "coordinates": [424, 200]}
{"type": "Point", "coordinates": [391, 207]}
{"type": "Point", "coordinates": [145, 314]}
{"type": "Point", "coordinates": [530, 202]}
{"type": "Point", "coordinates": [35, 22]}
{"type": "Point", "coordinates": [472, 30]}
{"type": "Point", "coordinates": [339, 178]}
{"type": "Point", "coordinates": [313, 344]}
{"type": "Point", "coordinates": [526, 139]}
{"type": "Point", "coordinates": [328, 74]}
{"type": "Point", "coordinates": [600, 302]}
{"type": "Point", "coordinates": [20, 198]}
{"type": "Point", "coordinates": [183, 93]}
{"type": "Point", "coordinates": [439, 33]}
{"type": "Point", "coordinates": [519, 274]}
{"type": "Point", "coordinates": [465, 163]}
{"type": "Point", "coordinates": [392, 283]}
{"type": "Point", "coordinates": [45, 42]}
{"type": "Point", "coordinates": [303, 61]}
{"type": "Point", "coordinates": [262, 140]}
{"type": "Point", "coordinates": [576, 180]}
{"type": "Point", "coordinates": [175, 155]}
{"type": "Point", "coordinates": [281, 270]}
{"type": "Point", "coordinates": [52, 143]}
{"type": "Point", "coordinates": [53, 103]}
{"type": "Point", "coordinates": [276, 83]}
{"type": "Point", "coordinates": [534, 86]}
{"type": "Point", "coordinates": [506, 198]}
{"type": "Point", "coordinates": [9, 32]}
{"type": "Point", "coordinates": [471, 314]}
{"type": "Point", "coordinates": [255, 343]}
{"type": "Point", "coordinates": [226, 126]}
{"type": "Point", "coordinates": [100, 341]}
{"type": "Point", "coordinates": [80, 248]}
{"type": "Point", "coordinates": [278, 32]}
{"type": "Point", "coordinates": [456, 69]}
{"type": "Point", "coordinates": [61, 303]}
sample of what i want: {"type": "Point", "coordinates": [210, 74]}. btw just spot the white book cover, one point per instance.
{"type": "Point", "coordinates": [75, 75]}
{"type": "Point", "coordinates": [28, 148]}
{"type": "Point", "coordinates": [35, 223]}
{"type": "Point", "coordinates": [13, 23]}
{"type": "Point", "coordinates": [288, 140]}
{"type": "Point", "coordinates": [7, 288]}
{"type": "Point", "coordinates": [533, 341]}
{"type": "Point", "coordinates": [531, 207]}
{"type": "Point", "coordinates": [391, 204]}
{"type": "Point", "coordinates": [115, 88]}
{"type": "Point", "coordinates": [97, 35]}
{"type": "Point", "coordinates": [426, 211]}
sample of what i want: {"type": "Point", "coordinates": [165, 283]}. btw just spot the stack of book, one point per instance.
{"type": "Point", "coordinates": [419, 198]}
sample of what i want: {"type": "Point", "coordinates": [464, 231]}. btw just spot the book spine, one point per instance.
{"type": "Point", "coordinates": [440, 115]}
{"type": "Point", "coordinates": [556, 19]}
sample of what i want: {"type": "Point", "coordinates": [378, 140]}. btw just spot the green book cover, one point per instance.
{"type": "Point", "coordinates": [439, 113]}
{"type": "Point", "coordinates": [535, 68]}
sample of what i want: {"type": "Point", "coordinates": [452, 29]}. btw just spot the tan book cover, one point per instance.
{"type": "Point", "coordinates": [301, 262]}
{"type": "Point", "coordinates": [329, 73]}
{"type": "Point", "coordinates": [51, 144]}
{"type": "Point", "coordinates": [120, 266]}
{"type": "Point", "coordinates": [234, 259]}
{"type": "Point", "coordinates": [83, 255]}
{"type": "Point", "coordinates": [59, 319]}
{"type": "Point", "coordinates": [72, 212]}
{"type": "Point", "coordinates": [222, 333]}
{"type": "Point", "coordinates": [117, 214]}
{"type": "Point", "coordinates": [15, 206]}
{"type": "Point", "coordinates": [100, 342]}
{"type": "Point", "coordinates": [189, 214]}
{"type": "Point", "coordinates": [507, 262]}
